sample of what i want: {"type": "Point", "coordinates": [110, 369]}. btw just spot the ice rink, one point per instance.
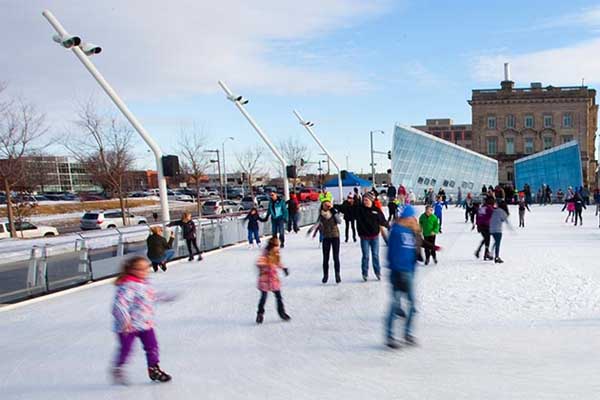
{"type": "Point", "coordinates": [525, 329]}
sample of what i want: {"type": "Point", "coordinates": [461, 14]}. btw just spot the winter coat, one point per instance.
{"type": "Point", "coordinates": [252, 221]}
{"type": "Point", "coordinates": [323, 197]}
{"type": "Point", "coordinates": [189, 229]}
{"type": "Point", "coordinates": [292, 206]}
{"type": "Point", "coordinates": [499, 216]}
{"type": "Point", "coordinates": [484, 214]}
{"type": "Point", "coordinates": [157, 245]}
{"type": "Point", "coordinates": [133, 306]}
{"type": "Point", "coordinates": [277, 210]}
{"type": "Point", "coordinates": [391, 192]}
{"type": "Point", "coordinates": [402, 249]}
{"type": "Point", "coordinates": [349, 210]}
{"type": "Point", "coordinates": [438, 207]}
{"type": "Point", "coordinates": [577, 202]}
{"type": "Point", "coordinates": [430, 225]}
{"type": "Point", "coordinates": [268, 279]}
{"type": "Point", "coordinates": [329, 221]}
{"type": "Point", "coordinates": [368, 221]}
{"type": "Point", "coordinates": [523, 205]}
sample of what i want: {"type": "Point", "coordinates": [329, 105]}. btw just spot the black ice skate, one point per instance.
{"type": "Point", "coordinates": [487, 257]}
{"type": "Point", "coordinates": [393, 343]}
{"type": "Point", "coordinates": [157, 374]}
{"type": "Point", "coordinates": [498, 260]}
{"type": "Point", "coordinates": [260, 317]}
{"type": "Point", "coordinates": [163, 266]}
{"type": "Point", "coordinates": [410, 340]}
{"type": "Point", "coordinates": [118, 376]}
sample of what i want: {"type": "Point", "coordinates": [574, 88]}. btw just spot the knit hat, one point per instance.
{"type": "Point", "coordinates": [369, 196]}
{"type": "Point", "coordinates": [408, 212]}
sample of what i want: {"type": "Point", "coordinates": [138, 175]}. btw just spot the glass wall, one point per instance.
{"type": "Point", "coordinates": [558, 167]}
{"type": "Point", "coordinates": [421, 161]}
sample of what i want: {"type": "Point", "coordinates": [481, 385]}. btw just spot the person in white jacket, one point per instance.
{"type": "Point", "coordinates": [499, 217]}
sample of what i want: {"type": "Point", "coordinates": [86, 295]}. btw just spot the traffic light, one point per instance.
{"type": "Point", "coordinates": [389, 155]}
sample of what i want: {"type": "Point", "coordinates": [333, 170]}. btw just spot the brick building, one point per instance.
{"type": "Point", "coordinates": [509, 123]}
{"type": "Point", "coordinates": [444, 128]}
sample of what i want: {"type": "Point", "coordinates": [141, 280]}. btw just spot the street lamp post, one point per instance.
{"type": "Point", "coordinates": [239, 102]}
{"type": "Point", "coordinates": [308, 125]}
{"type": "Point", "coordinates": [372, 153]}
{"type": "Point", "coordinates": [82, 50]}
{"type": "Point", "coordinates": [224, 169]}
{"type": "Point", "coordinates": [218, 161]}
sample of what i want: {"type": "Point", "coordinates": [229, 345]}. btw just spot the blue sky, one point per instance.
{"type": "Point", "coordinates": [349, 66]}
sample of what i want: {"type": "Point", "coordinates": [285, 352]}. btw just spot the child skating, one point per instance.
{"type": "Point", "coordinates": [253, 234]}
{"type": "Point", "coordinates": [133, 312]}
{"type": "Point", "coordinates": [268, 279]}
{"type": "Point", "coordinates": [522, 207]}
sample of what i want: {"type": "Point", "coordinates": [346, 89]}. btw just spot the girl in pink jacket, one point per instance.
{"type": "Point", "coordinates": [133, 312]}
{"type": "Point", "coordinates": [268, 279]}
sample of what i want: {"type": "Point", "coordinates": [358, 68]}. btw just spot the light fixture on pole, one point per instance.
{"type": "Point", "coordinates": [308, 126]}
{"type": "Point", "coordinates": [218, 161]}
{"type": "Point", "coordinates": [82, 51]}
{"type": "Point", "coordinates": [239, 102]}
{"type": "Point", "coordinates": [373, 152]}
{"type": "Point", "coordinates": [224, 169]}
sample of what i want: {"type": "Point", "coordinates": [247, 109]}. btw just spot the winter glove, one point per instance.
{"type": "Point", "coordinates": [286, 272]}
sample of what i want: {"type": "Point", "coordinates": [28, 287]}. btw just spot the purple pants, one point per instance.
{"type": "Point", "coordinates": [149, 342]}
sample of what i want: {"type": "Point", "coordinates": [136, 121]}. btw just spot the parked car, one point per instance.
{"type": "Point", "coordinates": [91, 197]}
{"type": "Point", "coordinates": [235, 193]}
{"type": "Point", "coordinates": [248, 203]}
{"type": "Point", "coordinates": [108, 220]}
{"type": "Point", "coordinates": [309, 194]}
{"type": "Point", "coordinates": [214, 207]}
{"type": "Point", "coordinates": [27, 230]}
{"type": "Point", "coordinates": [262, 200]}
{"type": "Point", "coordinates": [177, 196]}
{"type": "Point", "coordinates": [139, 195]}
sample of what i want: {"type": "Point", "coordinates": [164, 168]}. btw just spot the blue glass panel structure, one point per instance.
{"type": "Point", "coordinates": [421, 161]}
{"type": "Point", "coordinates": [558, 167]}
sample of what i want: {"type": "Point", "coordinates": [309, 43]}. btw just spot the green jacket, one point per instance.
{"type": "Point", "coordinates": [430, 225]}
{"type": "Point", "coordinates": [326, 197]}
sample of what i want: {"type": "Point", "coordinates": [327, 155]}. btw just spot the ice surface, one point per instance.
{"type": "Point", "coordinates": [525, 329]}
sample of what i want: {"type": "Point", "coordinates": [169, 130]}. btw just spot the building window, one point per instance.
{"type": "Point", "coordinates": [492, 145]}
{"type": "Point", "coordinates": [491, 122]}
{"type": "Point", "coordinates": [547, 121]}
{"type": "Point", "coordinates": [529, 121]}
{"type": "Point", "coordinates": [445, 183]}
{"type": "Point", "coordinates": [433, 182]}
{"type": "Point", "coordinates": [420, 180]}
{"type": "Point", "coordinates": [468, 135]}
{"type": "Point", "coordinates": [529, 149]}
{"type": "Point", "coordinates": [510, 145]}
{"type": "Point", "coordinates": [447, 135]}
{"type": "Point", "coordinates": [567, 121]}
{"type": "Point", "coordinates": [509, 176]}
{"type": "Point", "coordinates": [547, 142]}
{"type": "Point", "coordinates": [567, 138]}
{"type": "Point", "coordinates": [510, 121]}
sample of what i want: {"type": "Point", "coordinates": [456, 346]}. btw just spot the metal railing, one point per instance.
{"type": "Point", "coordinates": [40, 267]}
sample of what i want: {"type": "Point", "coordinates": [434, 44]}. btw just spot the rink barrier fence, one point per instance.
{"type": "Point", "coordinates": [96, 255]}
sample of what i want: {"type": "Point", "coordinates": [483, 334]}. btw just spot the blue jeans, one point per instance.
{"type": "Point", "coordinates": [253, 235]}
{"type": "Point", "coordinates": [373, 245]}
{"type": "Point", "coordinates": [278, 228]}
{"type": "Point", "coordinates": [497, 239]}
{"type": "Point", "coordinates": [402, 284]}
{"type": "Point", "coordinates": [165, 257]}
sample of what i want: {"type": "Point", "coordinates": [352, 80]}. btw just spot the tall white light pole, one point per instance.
{"type": "Point", "coordinates": [239, 102]}
{"type": "Point", "coordinates": [225, 170]}
{"type": "Point", "coordinates": [308, 125]}
{"type": "Point", "coordinates": [373, 152]}
{"type": "Point", "coordinates": [81, 52]}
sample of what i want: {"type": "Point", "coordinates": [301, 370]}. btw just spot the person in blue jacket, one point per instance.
{"type": "Point", "coordinates": [438, 208]}
{"type": "Point", "coordinates": [404, 242]}
{"type": "Point", "coordinates": [278, 212]}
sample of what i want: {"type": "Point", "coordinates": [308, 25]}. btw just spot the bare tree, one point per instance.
{"type": "Point", "coordinates": [103, 145]}
{"type": "Point", "coordinates": [249, 162]}
{"type": "Point", "coordinates": [295, 153]}
{"type": "Point", "coordinates": [194, 160]}
{"type": "Point", "coordinates": [21, 125]}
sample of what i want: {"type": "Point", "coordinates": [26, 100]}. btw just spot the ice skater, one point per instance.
{"type": "Point", "coordinates": [522, 207]}
{"type": "Point", "coordinates": [429, 224]}
{"type": "Point", "coordinates": [268, 279]}
{"type": "Point", "coordinates": [579, 205]}
{"type": "Point", "coordinates": [403, 243]}
{"type": "Point", "coordinates": [499, 217]}
{"type": "Point", "coordinates": [133, 318]}
{"type": "Point", "coordinates": [484, 214]}
{"type": "Point", "coordinates": [439, 209]}
{"type": "Point", "coordinates": [188, 228]}
{"type": "Point", "coordinates": [252, 227]}
{"type": "Point", "coordinates": [328, 221]}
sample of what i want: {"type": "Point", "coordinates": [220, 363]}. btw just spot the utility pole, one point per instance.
{"type": "Point", "coordinates": [372, 153]}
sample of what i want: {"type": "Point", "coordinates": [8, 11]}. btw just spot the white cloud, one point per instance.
{"type": "Point", "coordinates": [557, 66]}
{"type": "Point", "coordinates": [155, 48]}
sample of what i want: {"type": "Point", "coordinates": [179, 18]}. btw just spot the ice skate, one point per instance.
{"type": "Point", "coordinates": [498, 260]}
{"type": "Point", "coordinates": [378, 276]}
{"type": "Point", "coordinates": [260, 317]}
{"type": "Point", "coordinates": [410, 340]}
{"type": "Point", "coordinates": [118, 376]}
{"type": "Point", "coordinates": [163, 266]}
{"type": "Point", "coordinates": [157, 374]}
{"type": "Point", "coordinates": [392, 343]}
{"type": "Point", "coordinates": [337, 278]}
{"type": "Point", "coordinates": [325, 279]}
{"type": "Point", "coordinates": [365, 277]}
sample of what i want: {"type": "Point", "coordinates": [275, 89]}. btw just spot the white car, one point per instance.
{"type": "Point", "coordinates": [214, 207]}
{"type": "Point", "coordinates": [179, 196]}
{"type": "Point", "coordinates": [108, 220]}
{"type": "Point", "coordinates": [27, 230]}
